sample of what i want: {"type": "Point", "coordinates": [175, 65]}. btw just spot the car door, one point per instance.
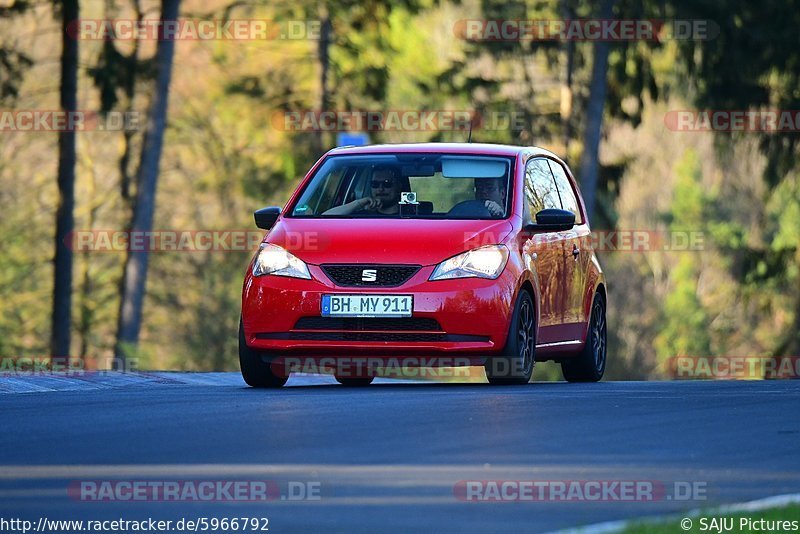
{"type": "Point", "coordinates": [540, 192]}
{"type": "Point", "coordinates": [577, 244]}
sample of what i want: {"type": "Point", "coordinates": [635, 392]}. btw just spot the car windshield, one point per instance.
{"type": "Point", "coordinates": [424, 186]}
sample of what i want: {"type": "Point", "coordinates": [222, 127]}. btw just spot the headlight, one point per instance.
{"type": "Point", "coordinates": [274, 260]}
{"type": "Point", "coordinates": [484, 262]}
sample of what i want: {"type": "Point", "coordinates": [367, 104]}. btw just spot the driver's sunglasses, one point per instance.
{"type": "Point", "coordinates": [386, 184]}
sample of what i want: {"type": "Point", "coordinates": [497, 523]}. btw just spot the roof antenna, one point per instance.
{"type": "Point", "coordinates": [469, 137]}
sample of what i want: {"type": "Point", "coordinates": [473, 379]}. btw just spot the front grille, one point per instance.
{"type": "Point", "coordinates": [361, 324]}
{"type": "Point", "coordinates": [374, 329]}
{"type": "Point", "coordinates": [386, 275]}
{"type": "Point", "coordinates": [409, 337]}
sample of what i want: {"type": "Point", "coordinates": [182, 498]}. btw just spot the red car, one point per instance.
{"type": "Point", "coordinates": [429, 255]}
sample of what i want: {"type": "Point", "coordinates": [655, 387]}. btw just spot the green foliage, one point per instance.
{"type": "Point", "coordinates": [13, 65]}
{"type": "Point", "coordinates": [685, 323]}
{"type": "Point", "coordinates": [784, 211]}
{"type": "Point", "coordinates": [116, 73]}
{"type": "Point", "coordinates": [685, 328]}
{"type": "Point", "coordinates": [689, 199]}
{"type": "Point", "coordinates": [752, 64]}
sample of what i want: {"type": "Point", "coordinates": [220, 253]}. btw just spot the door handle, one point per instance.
{"type": "Point", "coordinates": [575, 251]}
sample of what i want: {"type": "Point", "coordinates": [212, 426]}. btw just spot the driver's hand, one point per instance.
{"type": "Point", "coordinates": [369, 203]}
{"type": "Point", "coordinates": [494, 208]}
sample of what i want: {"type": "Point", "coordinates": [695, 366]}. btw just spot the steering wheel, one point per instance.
{"type": "Point", "coordinates": [472, 208]}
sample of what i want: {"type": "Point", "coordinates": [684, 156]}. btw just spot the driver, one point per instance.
{"type": "Point", "coordinates": [385, 188]}
{"type": "Point", "coordinates": [492, 192]}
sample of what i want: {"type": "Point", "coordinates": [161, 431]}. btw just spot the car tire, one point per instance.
{"type": "Point", "coordinates": [355, 381]}
{"type": "Point", "coordinates": [255, 371]}
{"type": "Point", "coordinates": [590, 364]}
{"type": "Point", "coordinates": [515, 364]}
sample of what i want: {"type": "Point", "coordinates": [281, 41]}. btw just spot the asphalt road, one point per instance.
{"type": "Point", "coordinates": [392, 457]}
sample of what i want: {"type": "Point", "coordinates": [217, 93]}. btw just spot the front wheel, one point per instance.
{"type": "Point", "coordinates": [590, 364]}
{"type": "Point", "coordinates": [515, 364]}
{"type": "Point", "coordinates": [255, 371]}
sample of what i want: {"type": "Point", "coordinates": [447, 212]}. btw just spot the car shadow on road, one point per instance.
{"type": "Point", "coordinates": [329, 385]}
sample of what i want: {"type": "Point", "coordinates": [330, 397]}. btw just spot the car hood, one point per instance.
{"type": "Point", "coordinates": [416, 241]}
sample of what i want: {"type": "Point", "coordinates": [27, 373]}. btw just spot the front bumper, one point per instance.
{"type": "Point", "coordinates": [472, 316]}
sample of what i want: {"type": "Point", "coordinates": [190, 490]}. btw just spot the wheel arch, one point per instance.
{"type": "Point", "coordinates": [527, 286]}
{"type": "Point", "coordinates": [599, 289]}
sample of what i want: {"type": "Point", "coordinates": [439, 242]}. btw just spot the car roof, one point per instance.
{"type": "Point", "coordinates": [486, 149]}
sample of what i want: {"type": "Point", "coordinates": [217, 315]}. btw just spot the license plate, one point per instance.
{"type": "Point", "coordinates": [367, 305]}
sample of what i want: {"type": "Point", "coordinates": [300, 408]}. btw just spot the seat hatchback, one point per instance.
{"type": "Point", "coordinates": [426, 256]}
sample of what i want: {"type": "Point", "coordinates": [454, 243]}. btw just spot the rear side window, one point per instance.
{"type": "Point", "coordinates": [568, 200]}
{"type": "Point", "coordinates": [540, 188]}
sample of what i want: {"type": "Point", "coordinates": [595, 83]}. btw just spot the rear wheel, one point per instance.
{"type": "Point", "coordinates": [590, 364]}
{"type": "Point", "coordinates": [515, 364]}
{"type": "Point", "coordinates": [355, 381]}
{"type": "Point", "coordinates": [255, 371]}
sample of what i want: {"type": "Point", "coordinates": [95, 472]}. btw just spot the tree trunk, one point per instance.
{"type": "Point", "coordinates": [135, 275]}
{"type": "Point", "coordinates": [566, 81]}
{"type": "Point", "coordinates": [65, 219]}
{"type": "Point", "coordinates": [590, 161]}
{"type": "Point", "coordinates": [86, 304]}
{"type": "Point", "coordinates": [130, 93]}
{"type": "Point", "coordinates": [323, 54]}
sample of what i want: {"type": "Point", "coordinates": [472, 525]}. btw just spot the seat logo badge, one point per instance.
{"type": "Point", "coordinates": [369, 275]}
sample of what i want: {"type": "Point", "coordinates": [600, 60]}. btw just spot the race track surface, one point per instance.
{"type": "Point", "coordinates": [395, 456]}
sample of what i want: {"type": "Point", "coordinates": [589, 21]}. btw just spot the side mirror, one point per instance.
{"type": "Point", "coordinates": [266, 217]}
{"type": "Point", "coordinates": [552, 220]}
